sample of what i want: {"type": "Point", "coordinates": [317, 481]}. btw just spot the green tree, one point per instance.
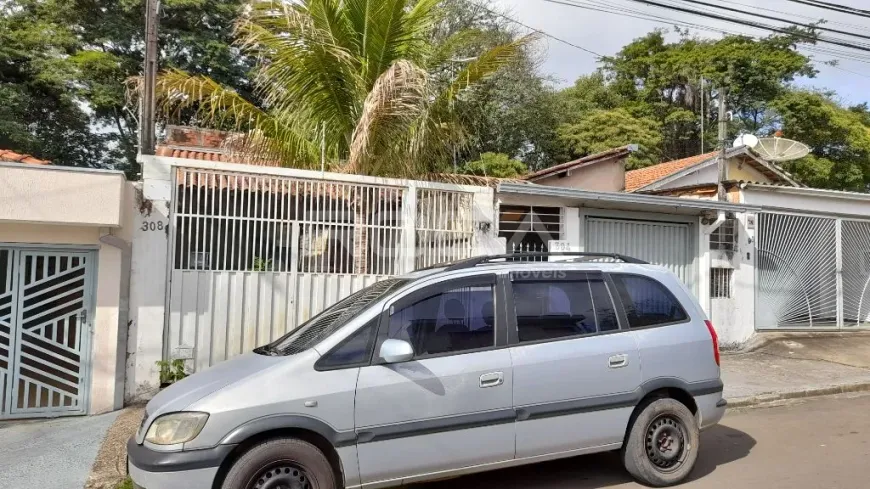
{"type": "Point", "coordinates": [360, 77]}
{"type": "Point", "coordinates": [839, 138]}
{"type": "Point", "coordinates": [65, 62]}
{"type": "Point", "coordinates": [498, 165]}
{"type": "Point", "coordinates": [655, 80]}
{"type": "Point", "coordinates": [599, 130]}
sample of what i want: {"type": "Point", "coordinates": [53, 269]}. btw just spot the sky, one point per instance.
{"type": "Point", "coordinates": [605, 33]}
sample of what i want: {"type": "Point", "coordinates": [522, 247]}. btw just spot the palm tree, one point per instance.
{"type": "Point", "coordinates": [358, 79]}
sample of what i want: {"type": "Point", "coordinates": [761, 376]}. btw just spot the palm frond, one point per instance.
{"type": "Point", "coordinates": [395, 102]}
{"type": "Point", "coordinates": [218, 106]}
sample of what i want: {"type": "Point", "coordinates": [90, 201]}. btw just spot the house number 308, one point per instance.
{"type": "Point", "coordinates": [152, 226]}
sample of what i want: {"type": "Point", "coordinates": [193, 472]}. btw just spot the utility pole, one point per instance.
{"type": "Point", "coordinates": [723, 135]}
{"type": "Point", "coordinates": [703, 115]}
{"type": "Point", "coordinates": [147, 137]}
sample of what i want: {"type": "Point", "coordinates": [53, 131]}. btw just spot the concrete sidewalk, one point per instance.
{"type": "Point", "coordinates": [50, 454]}
{"type": "Point", "coordinates": [784, 366]}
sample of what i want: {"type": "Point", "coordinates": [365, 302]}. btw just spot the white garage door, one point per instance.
{"type": "Point", "coordinates": [660, 243]}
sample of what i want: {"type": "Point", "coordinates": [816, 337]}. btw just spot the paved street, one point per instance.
{"type": "Point", "coordinates": [819, 443]}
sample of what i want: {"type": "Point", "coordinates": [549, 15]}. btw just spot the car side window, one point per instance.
{"type": "Point", "coordinates": [647, 302]}
{"type": "Point", "coordinates": [547, 310]}
{"type": "Point", "coordinates": [354, 351]}
{"type": "Point", "coordinates": [451, 321]}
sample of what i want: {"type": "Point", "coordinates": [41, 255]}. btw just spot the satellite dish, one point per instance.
{"type": "Point", "coordinates": [747, 140]}
{"type": "Point", "coordinates": [780, 149]}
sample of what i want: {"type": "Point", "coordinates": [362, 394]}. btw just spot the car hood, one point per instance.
{"type": "Point", "coordinates": [182, 394]}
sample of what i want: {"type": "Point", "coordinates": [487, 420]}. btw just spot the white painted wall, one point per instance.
{"type": "Point", "coordinates": [148, 283]}
{"type": "Point", "coordinates": [58, 195]}
{"type": "Point", "coordinates": [734, 318]}
{"type": "Point", "coordinates": [107, 378]}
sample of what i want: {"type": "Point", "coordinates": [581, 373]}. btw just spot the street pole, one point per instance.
{"type": "Point", "coordinates": [147, 137]}
{"type": "Point", "coordinates": [723, 135]}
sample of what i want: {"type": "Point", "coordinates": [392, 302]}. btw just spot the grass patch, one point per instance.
{"type": "Point", "coordinates": [125, 484]}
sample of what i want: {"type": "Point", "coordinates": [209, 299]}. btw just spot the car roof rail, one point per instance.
{"type": "Point", "coordinates": [481, 260]}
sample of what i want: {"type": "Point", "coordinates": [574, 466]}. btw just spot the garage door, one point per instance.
{"type": "Point", "coordinates": [660, 243]}
{"type": "Point", "coordinates": [45, 297]}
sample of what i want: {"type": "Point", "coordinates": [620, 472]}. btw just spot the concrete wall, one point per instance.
{"type": "Point", "coordinates": [734, 318]}
{"type": "Point", "coordinates": [57, 195]}
{"type": "Point", "coordinates": [108, 326]}
{"type": "Point", "coordinates": [605, 176]}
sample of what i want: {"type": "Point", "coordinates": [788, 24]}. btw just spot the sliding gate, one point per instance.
{"type": "Point", "coordinates": [812, 272]}
{"type": "Point", "coordinates": [45, 297]}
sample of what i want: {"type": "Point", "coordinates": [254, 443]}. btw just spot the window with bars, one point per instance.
{"type": "Point", "coordinates": [240, 222]}
{"type": "Point", "coordinates": [724, 238]}
{"type": "Point", "coordinates": [720, 283]}
{"type": "Point", "coordinates": [529, 229]}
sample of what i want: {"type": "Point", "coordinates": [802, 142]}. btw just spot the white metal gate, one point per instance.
{"type": "Point", "coordinates": [812, 272]}
{"type": "Point", "coordinates": [256, 255]}
{"type": "Point", "coordinates": [45, 296]}
{"type": "Point", "coordinates": [660, 243]}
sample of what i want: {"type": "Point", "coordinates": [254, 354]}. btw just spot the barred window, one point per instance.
{"type": "Point", "coordinates": [529, 229]}
{"type": "Point", "coordinates": [724, 238]}
{"type": "Point", "coordinates": [720, 283]}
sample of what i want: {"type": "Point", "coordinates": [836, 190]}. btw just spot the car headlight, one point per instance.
{"type": "Point", "coordinates": [174, 428]}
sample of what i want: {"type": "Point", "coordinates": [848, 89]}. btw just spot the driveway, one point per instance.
{"type": "Point", "coordinates": [50, 454]}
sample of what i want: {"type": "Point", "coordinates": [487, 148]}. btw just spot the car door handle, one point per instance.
{"type": "Point", "coordinates": [491, 379]}
{"type": "Point", "coordinates": [617, 361]}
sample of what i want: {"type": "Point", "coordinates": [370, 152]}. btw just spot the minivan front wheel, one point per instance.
{"type": "Point", "coordinates": [282, 463]}
{"type": "Point", "coordinates": [662, 445]}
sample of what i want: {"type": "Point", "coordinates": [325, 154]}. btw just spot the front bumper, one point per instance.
{"type": "Point", "coordinates": [191, 469]}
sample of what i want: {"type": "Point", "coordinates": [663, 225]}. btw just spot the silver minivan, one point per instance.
{"type": "Point", "coordinates": [485, 363]}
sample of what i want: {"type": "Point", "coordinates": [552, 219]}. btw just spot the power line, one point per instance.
{"type": "Point", "coordinates": [769, 17]}
{"type": "Point", "coordinates": [546, 34]}
{"type": "Point", "coordinates": [834, 41]}
{"type": "Point", "coordinates": [835, 7]}
{"type": "Point", "coordinates": [627, 12]}
{"type": "Point", "coordinates": [799, 16]}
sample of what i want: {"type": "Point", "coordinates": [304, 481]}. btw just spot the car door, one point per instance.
{"type": "Point", "coordinates": [450, 406]}
{"type": "Point", "coordinates": [576, 370]}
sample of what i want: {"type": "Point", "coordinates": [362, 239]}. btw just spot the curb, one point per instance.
{"type": "Point", "coordinates": [752, 401]}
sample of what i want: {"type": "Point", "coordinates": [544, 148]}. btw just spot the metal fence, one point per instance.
{"type": "Point", "coordinates": [256, 255]}
{"type": "Point", "coordinates": [812, 272]}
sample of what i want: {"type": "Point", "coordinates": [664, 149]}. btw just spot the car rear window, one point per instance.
{"type": "Point", "coordinates": [647, 302]}
{"type": "Point", "coordinates": [330, 320]}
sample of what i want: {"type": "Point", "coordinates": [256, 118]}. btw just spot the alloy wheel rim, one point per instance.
{"type": "Point", "coordinates": [666, 443]}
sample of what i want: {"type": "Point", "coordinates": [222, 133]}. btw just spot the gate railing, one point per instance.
{"type": "Point", "coordinates": [812, 272]}
{"type": "Point", "coordinates": [257, 254]}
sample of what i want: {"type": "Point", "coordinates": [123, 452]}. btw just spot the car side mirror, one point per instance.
{"type": "Point", "coordinates": [396, 351]}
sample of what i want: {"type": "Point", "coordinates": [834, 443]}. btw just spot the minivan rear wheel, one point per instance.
{"type": "Point", "coordinates": [662, 444]}
{"type": "Point", "coordinates": [282, 463]}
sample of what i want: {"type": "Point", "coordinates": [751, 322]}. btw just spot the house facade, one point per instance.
{"type": "Point", "coordinates": [65, 242]}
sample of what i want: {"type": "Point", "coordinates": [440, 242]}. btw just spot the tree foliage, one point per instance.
{"type": "Point", "coordinates": [63, 66]}
{"type": "Point", "coordinates": [498, 165]}
{"type": "Point", "coordinates": [359, 77]}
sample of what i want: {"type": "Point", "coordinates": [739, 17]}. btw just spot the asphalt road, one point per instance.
{"type": "Point", "coordinates": [810, 444]}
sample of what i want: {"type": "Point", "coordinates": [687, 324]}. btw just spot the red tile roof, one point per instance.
{"type": "Point", "coordinates": [622, 152]}
{"type": "Point", "coordinates": [636, 179]}
{"type": "Point", "coordinates": [12, 156]}
{"type": "Point", "coordinates": [197, 143]}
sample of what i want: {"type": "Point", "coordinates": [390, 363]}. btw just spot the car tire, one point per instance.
{"type": "Point", "coordinates": [661, 446]}
{"type": "Point", "coordinates": [293, 461]}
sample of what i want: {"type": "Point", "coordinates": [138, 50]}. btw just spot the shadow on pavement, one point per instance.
{"type": "Point", "coordinates": [720, 445]}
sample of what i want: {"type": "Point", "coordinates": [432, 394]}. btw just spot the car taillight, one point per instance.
{"type": "Point", "coordinates": [715, 338]}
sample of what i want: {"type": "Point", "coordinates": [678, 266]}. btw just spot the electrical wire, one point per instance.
{"type": "Point", "coordinates": [799, 16]}
{"type": "Point", "coordinates": [539, 31]}
{"type": "Point", "coordinates": [834, 7]}
{"type": "Point", "coordinates": [593, 5]}
{"type": "Point", "coordinates": [769, 17]}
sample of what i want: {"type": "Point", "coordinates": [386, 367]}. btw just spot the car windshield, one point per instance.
{"type": "Point", "coordinates": [330, 320]}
